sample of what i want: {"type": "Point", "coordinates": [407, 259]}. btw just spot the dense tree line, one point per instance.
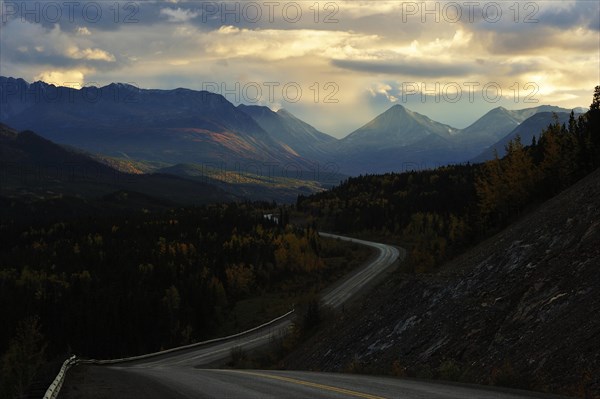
{"type": "Point", "coordinates": [123, 285]}
{"type": "Point", "coordinates": [431, 209]}
{"type": "Point", "coordinates": [563, 154]}
{"type": "Point", "coordinates": [438, 213]}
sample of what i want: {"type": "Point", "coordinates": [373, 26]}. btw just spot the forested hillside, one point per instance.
{"type": "Point", "coordinates": [108, 286]}
{"type": "Point", "coordinates": [517, 310]}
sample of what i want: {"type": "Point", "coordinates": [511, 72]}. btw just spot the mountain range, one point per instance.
{"type": "Point", "coordinates": [171, 126]}
{"type": "Point", "coordinates": [34, 167]}
{"type": "Point", "coordinates": [188, 127]}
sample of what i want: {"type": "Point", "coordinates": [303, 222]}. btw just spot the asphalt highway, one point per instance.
{"type": "Point", "coordinates": [258, 384]}
{"type": "Point", "coordinates": [343, 291]}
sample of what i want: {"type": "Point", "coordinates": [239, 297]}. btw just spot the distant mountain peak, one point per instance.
{"type": "Point", "coordinates": [289, 130]}
{"type": "Point", "coordinates": [396, 127]}
{"type": "Point", "coordinates": [398, 108]}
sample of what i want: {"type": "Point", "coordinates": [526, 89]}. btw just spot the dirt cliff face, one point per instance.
{"type": "Point", "coordinates": [522, 309]}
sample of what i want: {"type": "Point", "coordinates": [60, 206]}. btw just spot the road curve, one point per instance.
{"type": "Point", "coordinates": [386, 256]}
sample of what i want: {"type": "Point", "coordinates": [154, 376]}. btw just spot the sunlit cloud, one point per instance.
{"type": "Point", "coordinates": [89, 54]}
{"type": "Point", "coordinates": [178, 14]}
{"type": "Point", "coordinates": [270, 44]}
{"type": "Point", "coordinates": [73, 78]}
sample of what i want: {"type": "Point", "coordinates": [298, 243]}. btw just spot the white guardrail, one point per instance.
{"type": "Point", "coordinates": [54, 388]}
{"type": "Point", "coordinates": [56, 385]}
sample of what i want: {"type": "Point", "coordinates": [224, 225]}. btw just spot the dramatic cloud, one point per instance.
{"type": "Point", "coordinates": [344, 58]}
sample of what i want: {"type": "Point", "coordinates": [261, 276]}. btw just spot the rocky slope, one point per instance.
{"type": "Point", "coordinates": [521, 309]}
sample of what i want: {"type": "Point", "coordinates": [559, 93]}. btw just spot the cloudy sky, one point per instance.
{"type": "Point", "coordinates": [335, 64]}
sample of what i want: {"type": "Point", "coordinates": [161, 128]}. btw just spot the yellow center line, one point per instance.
{"type": "Point", "coordinates": [308, 384]}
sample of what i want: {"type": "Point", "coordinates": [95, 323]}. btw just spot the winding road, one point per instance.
{"type": "Point", "coordinates": [182, 373]}
{"type": "Point", "coordinates": [219, 351]}
{"type": "Point", "coordinates": [348, 287]}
